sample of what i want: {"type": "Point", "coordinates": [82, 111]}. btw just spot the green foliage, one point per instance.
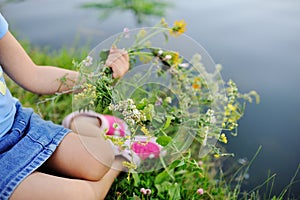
{"type": "Point", "coordinates": [141, 9]}
{"type": "Point", "coordinates": [180, 180]}
{"type": "Point", "coordinates": [184, 177]}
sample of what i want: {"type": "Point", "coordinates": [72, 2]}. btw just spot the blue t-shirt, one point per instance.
{"type": "Point", "coordinates": [7, 102]}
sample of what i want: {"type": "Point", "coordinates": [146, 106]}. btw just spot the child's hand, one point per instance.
{"type": "Point", "coordinates": [118, 61]}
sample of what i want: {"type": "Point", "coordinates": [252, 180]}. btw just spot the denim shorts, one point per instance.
{"type": "Point", "coordinates": [28, 144]}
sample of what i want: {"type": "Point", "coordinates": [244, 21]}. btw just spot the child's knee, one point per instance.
{"type": "Point", "coordinates": [84, 121]}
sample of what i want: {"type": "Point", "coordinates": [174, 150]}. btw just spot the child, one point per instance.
{"type": "Point", "coordinates": [84, 166]}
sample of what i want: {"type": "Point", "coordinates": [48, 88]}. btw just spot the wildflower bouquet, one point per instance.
{"type": "Point", "coordinates": [173, 91]}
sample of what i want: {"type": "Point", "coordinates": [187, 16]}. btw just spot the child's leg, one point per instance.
{"type": "Point", "coordinates": [86, 126]}
{"type": "Point", "coordinates": [72, 158]}
{"type": "Point", "coordinates": [43, 186]}
{"type": "Point", "coordinates": [86, 155]}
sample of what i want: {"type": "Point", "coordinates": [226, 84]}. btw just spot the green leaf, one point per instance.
{"type": "Point", "coordinates": [174, 191]}
{"type": "Point", "coordinates": [104, 55]}
{"type": "Point", "coordinates": [176, 163]}
{"type": "Point", "coordinates": [161, 177]}
{"type": "Point", "coordinates": [149, 111]}
{"type": "Point", "coordinates": [163, 140]}
{"type": "Point", "coordinates": [142, 104]}
{"type": "Point", "coordinates": [168, 121]}
{"type": "Point", "coordinates": [166, 37]}
{"type": "Point", "coordinates": [161, 188]}
{"type": "Point", "coordinates": [136, 179]}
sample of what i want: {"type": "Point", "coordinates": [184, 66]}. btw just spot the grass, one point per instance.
{"type": "Point", "coordinates": [180, 180]}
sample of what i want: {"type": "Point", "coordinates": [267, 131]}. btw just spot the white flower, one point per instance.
{"type": "Point", "coordinates": [242, 161]}
{"type": "Point", "coordinates": [136, 112]}
{"type": "Point", "coordinates": [158, 102]}
{"type": "Point", "coordinates": [132, 107]}
{"type": "Point", "coordinates": [126, 32]}
{"type": "Point", "coordinates": [130, 101]}
{"type": "Point", "coordinates": [213, 120]}
{"type": "Point", "coordinates": [151, 156]}
{"type": "Point", "coordinates": [184, 65]}
{"type": "Point", "coordinates": [88, 61]}
{"type": "Point", "coordinates": [168, 99]}
{"type": "Point", "coordinates": [210, 112]}
{"type": "Point", "coordinates": [168, 57]}
{"type": "Point", "coordinates": [111, 107]}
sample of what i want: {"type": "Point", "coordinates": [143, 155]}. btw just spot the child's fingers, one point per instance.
{"type": "Point", "coordinates": [118, 60]}
{"type": "Point", "coordinates": [119, 68]}
{"type": "Point", "coordinates": [113, 49]}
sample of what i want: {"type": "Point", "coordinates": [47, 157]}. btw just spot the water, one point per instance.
{"type": "Point", "coordinates": [257, 42]}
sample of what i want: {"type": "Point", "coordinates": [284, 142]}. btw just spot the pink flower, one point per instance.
{"type": "Point", "coordinates": [148, 191]}
{"type": "Point", "coordinates": [126, 31]}
{"type": "Point", "coordinates": [145, 191]}
{"type": "Point", "coordinates": [158, 102]}
{"type": "Point", "coordinates": [146, 149]}
{"type": "Point", "coordinates": [200, 163]}
{"type": "Point", "coordinates": [200, 191]}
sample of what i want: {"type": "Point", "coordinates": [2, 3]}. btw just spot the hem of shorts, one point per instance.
{"type": "Point", "coordinates": [33, 165]}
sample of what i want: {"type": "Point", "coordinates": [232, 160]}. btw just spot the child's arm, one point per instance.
{"type": "Point", "coordinates": [46, 80]}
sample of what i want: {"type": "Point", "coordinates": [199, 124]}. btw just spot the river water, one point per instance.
{"type": "Point", "coordinates": [257, 42]}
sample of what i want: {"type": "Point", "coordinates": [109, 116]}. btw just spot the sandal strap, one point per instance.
{"type": "Point", "coordinates": [109, 125]}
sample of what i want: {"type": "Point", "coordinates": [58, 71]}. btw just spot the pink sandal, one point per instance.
{"type": "Point", "coordinates": [145, 147]}
{"type": "Point", "coordinates": [110, 125]}
{"type": "Point", "coordinates": [141, 148]}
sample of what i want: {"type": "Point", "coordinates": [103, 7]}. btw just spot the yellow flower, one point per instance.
{"type": "Point", "coordinates": [196, 86]}
{"type": "Point", "coordinates": [129, 165]}
{"type": "Point", "coordinates": [145, 58]}
{"type": "Point", "coordinates": [178, 28]}
{"type": "Point", "coordinates": [223, 138]}
{"type": "Point", "coordinates": [145, 131]}
{"type": "Point", "coordinates": [142, 33]}
{"type": "Point", "coordinates": [176, 58]}
{"type": "Point", "coordinates": [217, 155]}
{"type": "Point", "coordinates": [223, 125]}
{"type": "Point", "coordinates": [197, 79]}
{"type": "Point", "coordinates": [164, 23]}
{"type": "Point", "coordinates": [231, 107]}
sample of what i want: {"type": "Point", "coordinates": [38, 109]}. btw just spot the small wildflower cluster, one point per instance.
{"type": "Point", "coordinates": [87, 61]}
{"type": "Point", "coordinates": [178, 28]}
{"type": "Point", "coordinates": [223, 138]}
{"type": "Point", "coordinates": [146, 191]}
{"type": "Point", "coordinates": [87, 96]}
{"type": "Point", "coordinates": [233, 111]}
{"type": "Point", "coordinates": [211, 119]}
{"type": "Point", "coordinates": [129, 111]}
